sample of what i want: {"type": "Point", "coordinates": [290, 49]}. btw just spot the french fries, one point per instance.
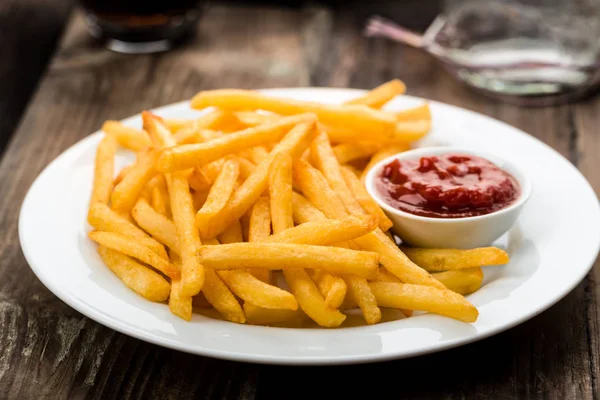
{"type": "Point", "coordinates": [190, 155]}
{"type": "Point", "coordinates": [104, 170]}
{"type": "Point", "coordinates": [424, 298]}
{"type": "Point", "coordinates": [259, 184]}
{"type": "Point", "coordinates": [274, 256]}
{"type": "Point", "coordinates": [355, 117]}
{"type": "Point", "coordinates": [139, 278]}
{"type": "Point", "coordinates": [132, 248]}
{"type": "Point", "coordinates": [451, 259]}
{"type": "Point", "coordinates": [377, 97]}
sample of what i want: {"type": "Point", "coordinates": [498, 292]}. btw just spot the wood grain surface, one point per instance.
{"type": "Point", "coordinates": [48, 350]}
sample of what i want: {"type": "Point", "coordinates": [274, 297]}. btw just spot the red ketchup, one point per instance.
{"type": "Point", "coordinates": [447, 186]}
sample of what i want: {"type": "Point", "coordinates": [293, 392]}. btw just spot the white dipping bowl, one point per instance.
{"type": "Point", "coordinates": [461, 233]}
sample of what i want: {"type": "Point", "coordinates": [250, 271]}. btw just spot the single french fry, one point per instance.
{"type": "Point", "coordinates": [244, 197]}
{"type": "Point", "coordinates": [314, 186]}
{"type": "Point", "coordinates": [264, 316]}
{"type": "Point", "coordinates": [365, 200]}
{"type": "Point", "coordinates": [220, 192]}
{"type": "Point", "coordinates": [451, 259]}
{"type": "Point", "coordinates": [280, 190]}
{"type": "Point", "coordinates": [253, 290]}
{"type": "Point", "coordinates": [410, 131]}
{"type": "Point", "coordinates": [324, 159]}
{"type": "Point", "coordinates": [384, 153]}
{"type": "Point", "coordinates": [142, 280]}
{"type": "Point", "coordinates": [275, 256]}
{"type": "Point", "coordinates": [346, 152]}
{"type": "Point", "coordinates": [160, 136]}
{"type": "Point", "coordinates": [359, 289]}
{"type": "Point", "coordinates": [102, 218]}
{"type": "Point", "coordinates": [126, 193]}
{"type": "Point", "coordinates": [417, 113]}
{"type": "Point", "coordinates": [221, 298]}
{"type": "Point", "coordinates": [130, 138]}
{"type": "Point", "coordinates": [190, 155]}
{"type": "Point", "coordinates": [132, 248]}
{"type": "Point", "coordinates": [160, 227]}
{"type": "Point", "coordinates": [104, 170]}
{"type": "Point", "coordinates": [377, 97]}
{"type": "Point", "coordinates": [326, 232]}
{"type": "Point", "coordinates": [179, 304]}
{"type": "Point", "coordinates": [253, 118]}
{"type": "Point", "coordinates": [378, 124]}
{"type": "Point", "coordinates": [424, 298]}
{"type": "Point", "coordinates": [462, 281]}
{"type": "Point", "coordinates": [158, 201]}
{"type": "Point", "coordinates": [259, 228]}
{"type": "Point", "coordinates": [182, 208]}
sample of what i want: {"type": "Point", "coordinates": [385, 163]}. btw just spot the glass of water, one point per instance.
{"type": "Point", "coordinates": [522, 51]}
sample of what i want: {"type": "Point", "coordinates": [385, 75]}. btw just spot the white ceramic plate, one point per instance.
{"type": "Point", "coordinates": [552, 247]}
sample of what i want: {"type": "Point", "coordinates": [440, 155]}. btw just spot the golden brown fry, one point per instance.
{"type": "Point", "coordinates": [315, 188]}
{"type": "Point", "coordinates": [221, 298]}
{"type": "Point", "coordinates": [134, 275]}
{"type": "Point", "coordinates": [220, 192]}
{"type": "Point", "coordinates": [102, 218]}
{"type": "Point", "coordinates": [130, 138]}
{"type": "Point", "coordinates": [347, 152]}
{"type": "Point", "coordinates": [383, 275]}
{"type": "Point", "coordinates": [365, 200]}
{"type": "Point", "coordinates": [253, 290]}
{"type": "Point", "coordinates": [324, 159]}
{"type": "Point", "coordinates": [359, 289]}
{"type": "Point", "coordinates": [182, 207]}
{"type": "Point", "coordinates": [326, 232]}
{"type": "Point", "coordinates": [253, 118]}
{"type": "Point", "coordinates": [175, 124]}
{"type": "Point", "coordinates": [244, 197]}
{"type": "Point", "coordinates": [160, 136]}
{"type": "Point", "coordinates": [384, 153]}
{"type": "Point", "coordinates": [450, 259]}
{"type": "Point", "coordinates": [259, 228]}
{"type": "Point", "coordinates": [280, 191]}
{"type": "Point", "coordinates": [158, 200]}
{"type": "Point", "coordinates": [377, 97]}
{"type": "Point", "coordinates": [157, 225]}
{"type": "Point", "coordinates": [275, 256]}
{"type": "Point", "coordinates": [264, 316]}
{"type": "Point", "coordinates": [463, 281]}
{"type": "Point", "coordinates": [190, 155]}
{"type": "Point", "coordinates": [104, 170]}
{"type": "Point", "coordinates": [199, 180]}
{"type": "Point", "coordinates": [304, 210]}
{"type": "Point", "coordinates": [179, 304]}
{"type": "Point", "coordinates": [126, 193]}
{"type": "Point", "coordinates": [417, 113]}
{"type": "Point", "coordinates": [358, 118]}
{"type": "Point", "coordinates": [410, 131]}
{"type": "Point", "coordinates": [132, 248]}
{"type": "Point", "coordinates": [424, 298]}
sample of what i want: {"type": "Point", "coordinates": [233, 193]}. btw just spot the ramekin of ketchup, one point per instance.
{"type": "Point", "coordinates": [448, 197]}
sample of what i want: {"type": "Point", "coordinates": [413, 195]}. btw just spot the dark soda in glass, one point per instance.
{"type": "Point", "coordinates": [142, 26]}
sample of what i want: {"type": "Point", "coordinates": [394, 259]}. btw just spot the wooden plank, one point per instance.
{"type": "Point", "coordinates": [30, 31]}
{"type": "Point", "coordinates": [49, 350]}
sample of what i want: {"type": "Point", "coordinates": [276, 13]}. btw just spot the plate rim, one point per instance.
{"type": "Point", "coordinates": [141, 334]}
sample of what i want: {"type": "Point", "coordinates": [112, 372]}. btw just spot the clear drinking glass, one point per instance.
{"type": "Point", "coordinates": [522, 51]}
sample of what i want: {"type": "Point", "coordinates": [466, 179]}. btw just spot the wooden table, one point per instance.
{"type": "Point", "coordinates": [48, 350]}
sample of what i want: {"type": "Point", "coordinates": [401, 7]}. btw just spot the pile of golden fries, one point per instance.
{"type": "Point", "coordinates": [211, 207]}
